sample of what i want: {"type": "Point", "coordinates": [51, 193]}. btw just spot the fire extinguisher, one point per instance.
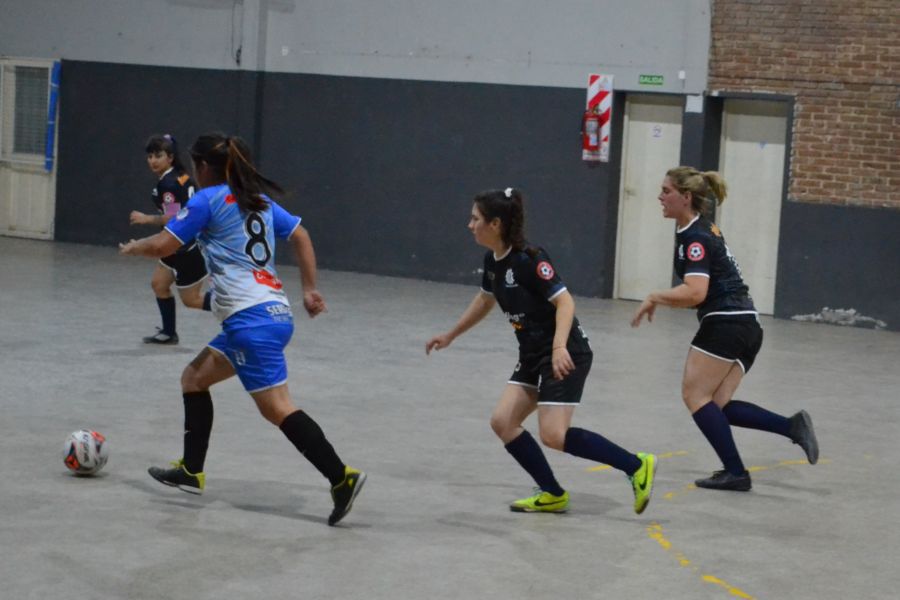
{"type": "Point", "coordinates": [590, 130]}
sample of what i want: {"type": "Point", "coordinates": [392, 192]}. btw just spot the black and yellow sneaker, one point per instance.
{"type": "Point", "coordinates": [178, 476]}
{"type": "Point", "coordinates": [642, 481]}
{"type": "Point", "coordinates": [542, 502]}
{"type": "Point", "coordinates": [345, 492]}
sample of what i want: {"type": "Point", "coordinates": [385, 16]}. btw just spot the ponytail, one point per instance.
{"type": "Point", "coordinates": [716, 187]}
{"type": "Point", "coordinates": [706, 188]}
{"type": "Point", "coordinates": [509, 206]}
{"type": "Point", "coordinates": [230, 157]}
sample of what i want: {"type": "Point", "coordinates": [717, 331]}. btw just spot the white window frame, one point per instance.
{"type": "Point", "coordinates": [20, 158]}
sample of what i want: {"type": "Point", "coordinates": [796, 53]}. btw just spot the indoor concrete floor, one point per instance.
{"type": "Point", "coordinates": [432, 522]}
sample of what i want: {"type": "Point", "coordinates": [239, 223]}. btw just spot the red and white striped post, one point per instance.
{"type": "Point", "coordinates": [599, 100]}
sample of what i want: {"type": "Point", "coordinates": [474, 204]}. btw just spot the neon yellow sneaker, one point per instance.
{"type": "Point", "coordinates": [542, 502]}
{"type": "Point", "coordinates": [642, 481]}
{"type": "Point", "coordinates": [178, 476]}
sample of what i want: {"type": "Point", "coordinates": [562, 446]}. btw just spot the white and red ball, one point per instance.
{"type": "Point", "coordinates": [85, 452]}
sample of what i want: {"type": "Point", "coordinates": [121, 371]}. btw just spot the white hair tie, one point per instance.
{"type": "Point", "coordinates": [508, 192]}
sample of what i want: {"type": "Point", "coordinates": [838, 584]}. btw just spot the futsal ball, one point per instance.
{"type": "Point", "coordinates": [85, 452]}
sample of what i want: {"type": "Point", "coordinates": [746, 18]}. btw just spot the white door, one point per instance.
{"type": "Point", "coordinates": [752, 162]}
{"type": "Point", "coordinates": [651, 146]}
{"type": "Point", "coordinates": [27, 188]}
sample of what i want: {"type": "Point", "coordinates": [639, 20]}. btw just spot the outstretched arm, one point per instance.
{"type": "Point", "coordinates": [690, 293]}
{"type": "Point", "coordinates": [138, 218]}
{"type": "Point", "coordinates": [305, 254]}
{"type": "Point", "coordinates": [478, 309]}
{"type": "Point", "coordinates": [155, 246]}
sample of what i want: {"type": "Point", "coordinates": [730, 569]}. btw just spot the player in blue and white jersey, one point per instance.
{"type": "Point", "coordinates": [236, 222]}
{"type": "Point", "coordinates": [730, 335]}
{"type": "Point", "coordinates": [184, 267]}
{"type": "Point", "coordinates": [554, 356]}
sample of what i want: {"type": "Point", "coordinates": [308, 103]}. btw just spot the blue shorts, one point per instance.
{"type": "Point", "coordinates": [253, 340]}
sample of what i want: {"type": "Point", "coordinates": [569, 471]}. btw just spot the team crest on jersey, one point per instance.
{"type": "Point", "coordinates": [182, 214]}
{"type": "Point", "coordinates": [168, 198]}
{"type": "Point", "coordinates": [510, 279]}
{"type": "Point", "coordinates": [545, 270]}
{"type": "Point", "coordinates": [696, 251]}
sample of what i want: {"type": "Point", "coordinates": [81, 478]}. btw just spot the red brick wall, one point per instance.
{"type": "Point", "coordinates": [840, 59]}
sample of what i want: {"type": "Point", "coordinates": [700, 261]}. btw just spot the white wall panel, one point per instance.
{"type": "Point", "coordinates": [526, 42]}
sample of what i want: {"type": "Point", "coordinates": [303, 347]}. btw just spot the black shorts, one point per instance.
{"type": "Point", "coordinates": [537, 374]}
{"type": "Point", "coordinates": [189, 267]}
{"type": "Point", "coordinates": [735, 339]}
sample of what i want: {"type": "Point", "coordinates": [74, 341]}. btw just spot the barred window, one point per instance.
{"type": "Point", "coordinates": [30, 124]}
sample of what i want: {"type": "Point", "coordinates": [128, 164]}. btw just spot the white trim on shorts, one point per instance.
{"type": "Point", "coordinates": [175, 274]}
{"type": "Point", "coordinates": [527, 385]}
{"type": "Point", "coordinates": [223, 355]}
{"type": "Point", "coordinates": [731, 360]}
{"type": "Point", "coordinates": [737, 312]}
{"type": "Point", "coordinates": [268, 387]}
{"type": "Point", "coordinates": [198, 282]}
{"type": "Point", "coordinates": [558, 403]}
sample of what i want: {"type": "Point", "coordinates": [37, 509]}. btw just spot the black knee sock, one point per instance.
{"type": "Point", "coordinates": [207, 301]}
{"type": "Point", "coordinates": [593, 446]}
{"type": "Point", "coordinates": [167, 312]}
{"type": "Point", "coordinates": [747, 414]}
{"type": "Point", "coordinates": [530, 456]}
{"type": "Point", "coordinates": [198, 419]}
{"type": "Point", "coordinates": [309, 439]}
{"type": "Point", "coordinates": [712, 422]}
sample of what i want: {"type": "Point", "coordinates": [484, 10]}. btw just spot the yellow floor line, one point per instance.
{"type": "Point", "coordinates": [655, 532]}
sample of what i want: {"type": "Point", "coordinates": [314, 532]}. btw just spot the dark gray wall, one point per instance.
{"type": "Point", "coordinates": [382, 171]}
{"type": "Point", "coordinates": [108, 112]}
{"type": "Point", "coordinates": [839, 257]}
{"type": "Point", "coordinates": [385, 171]}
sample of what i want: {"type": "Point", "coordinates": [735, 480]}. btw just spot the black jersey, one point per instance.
{"type": "Point", "coordinates": [171, 194]}
{"type": "Point", "coordinates": [700, 249]}
{"type": "Point", "coordinates": [524, 285]}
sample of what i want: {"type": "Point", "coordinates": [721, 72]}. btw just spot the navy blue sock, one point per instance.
{"type": "Point", "coordinates": [714, 425]}
{"type": "Point", "coordinates": [747, 414]}
{"type": "Point", "coordinates": [198, 420]}
{"type": "Point", "coordinates": [595, 447]}
{"type": "Point", "coordinates": [167, 311]}
{"type": "Point", "coordinates": [528, 454]}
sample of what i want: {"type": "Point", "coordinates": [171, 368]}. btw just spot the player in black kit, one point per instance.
{"type": "Point", "coordinates": [730, 335]}
{"type": "Point", "coordinates": [186, 268]}
{"type": "Point", "coordinates": [554, 356]}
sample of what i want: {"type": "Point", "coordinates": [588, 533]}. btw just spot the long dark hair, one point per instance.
{"type": "Point", "coordinates": [230, 158]}
{"type": "Point", "coordinates": [164, 142]}
{"type": "Point", "coordinates": [508, 205]}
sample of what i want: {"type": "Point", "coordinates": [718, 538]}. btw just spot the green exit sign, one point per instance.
{"type": "Point", "coordinates": [650, 79]}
